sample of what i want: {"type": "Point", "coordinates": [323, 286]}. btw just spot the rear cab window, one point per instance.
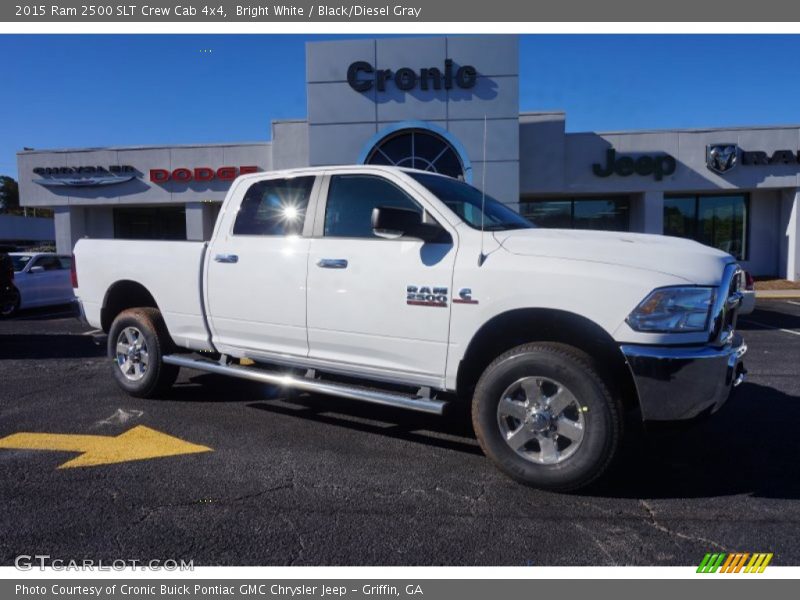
{"type": "Point", "coordinates": [274, 207]}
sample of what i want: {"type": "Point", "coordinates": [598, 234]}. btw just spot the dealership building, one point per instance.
{"type": "Point", "coordinates": [450, 105]}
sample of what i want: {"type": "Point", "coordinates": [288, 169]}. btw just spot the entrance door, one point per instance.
{"type": "Point", "coordinates": [367, 300]}
{"type": "Point", "coordinates": [257, 266]}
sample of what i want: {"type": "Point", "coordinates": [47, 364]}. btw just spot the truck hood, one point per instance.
{"type": "Point", "coordinates": [686, 259]}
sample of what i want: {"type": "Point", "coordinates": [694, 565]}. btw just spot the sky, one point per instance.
{"type": "Point", "coordinates": [61, 91]}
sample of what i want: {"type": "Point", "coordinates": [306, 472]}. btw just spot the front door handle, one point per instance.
{"type": "Point", "coordinates": [226, 258]}
{"type": "Point", "coordinates": [332, 263]}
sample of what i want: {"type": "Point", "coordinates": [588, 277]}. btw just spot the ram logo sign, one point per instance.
{"type": "Point", "coordinates": [722, 157]}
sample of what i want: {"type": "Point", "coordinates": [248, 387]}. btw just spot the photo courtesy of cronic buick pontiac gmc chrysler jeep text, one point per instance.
{"type": "Point", "coordinates": [427, 294]}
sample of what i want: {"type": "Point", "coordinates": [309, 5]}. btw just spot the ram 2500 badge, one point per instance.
{"type": "Point", "coordinates": [411, 289]}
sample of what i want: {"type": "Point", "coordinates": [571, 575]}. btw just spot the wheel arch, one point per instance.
{"type": "Point", "coordinates": [520, 326]}
{"type": "Point", "coordinates": [122, 295]}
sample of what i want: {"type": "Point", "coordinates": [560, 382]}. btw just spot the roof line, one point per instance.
{"type": "Point", "coordinates": [155, 147]}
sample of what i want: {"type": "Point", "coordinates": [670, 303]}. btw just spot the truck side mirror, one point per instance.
{"type": "Point", "coordinates": [391, 222]}
{"type": "Point", "coordinates": [36, 270]}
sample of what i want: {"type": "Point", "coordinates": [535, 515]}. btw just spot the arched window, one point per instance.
{"type": "Point", "coordinates": [417, 149]}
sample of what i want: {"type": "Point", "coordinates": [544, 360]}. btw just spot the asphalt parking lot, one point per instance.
{"type": "Point", "coordinates": [310, 480]}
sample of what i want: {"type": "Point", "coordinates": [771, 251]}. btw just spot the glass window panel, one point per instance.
{"type": "Point", "coordinates": [418, 149]}
{"type": "Point", "coordinates": [351, 199]}
{"type": "Point", "coordinates": [549, 213]}
{"type": "Point", "coordinates": [449, 164]}
{"type": "Point", "coordinates": [150, 223]}
{"type": "Point", "coordinates": [274, 207]}
{"type": "Point", "coordinates": [601, 214]}
{"type": "Point", "coordinates": [427, 146]}
{"type": "Point", "coordinates": [397, 147]}
{"type": "Point", "coordinates": [721, 223]}
{"type": "Point", "coordinates": [680, 215]}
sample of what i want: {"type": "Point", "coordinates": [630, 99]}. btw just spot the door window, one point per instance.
{"type": "Point", "coordinates": [351, 199]}
{"type": "Point", "coordinates": [274, 207]}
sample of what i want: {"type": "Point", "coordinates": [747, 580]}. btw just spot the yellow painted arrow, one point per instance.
{"type": "Point", "coordinates": [139, 443]}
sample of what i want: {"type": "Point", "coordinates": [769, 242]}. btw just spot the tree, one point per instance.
{"type": "Point", "coordinates": [9, 194]}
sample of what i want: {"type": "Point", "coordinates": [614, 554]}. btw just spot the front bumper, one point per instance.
{"type": "Point", "coordinates": [675, 383]}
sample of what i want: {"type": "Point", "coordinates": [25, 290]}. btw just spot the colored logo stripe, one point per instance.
{"type": "Point", "coordinates": [735, 562]}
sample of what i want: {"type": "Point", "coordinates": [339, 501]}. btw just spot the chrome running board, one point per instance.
{"type": "Point", "coordinates": [385, 398]}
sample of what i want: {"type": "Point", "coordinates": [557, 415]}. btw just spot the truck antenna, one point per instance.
{"type": "Point", "coordinates": [482, 256]}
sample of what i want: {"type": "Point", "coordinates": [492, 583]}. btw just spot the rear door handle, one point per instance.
{"type": "Point", "coordinates": [226, 258]}
{"type": "Point", "coordinates": [332, 263]}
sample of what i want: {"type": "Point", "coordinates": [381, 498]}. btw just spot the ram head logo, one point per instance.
{"type": "Point", "coordinates": [722, 157]}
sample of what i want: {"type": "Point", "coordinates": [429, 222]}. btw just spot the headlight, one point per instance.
{"type": "Point", "coordinates": [673, 310]}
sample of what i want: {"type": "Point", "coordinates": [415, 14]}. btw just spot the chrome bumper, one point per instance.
{"type": "Point", "coordinates": [680, 383]}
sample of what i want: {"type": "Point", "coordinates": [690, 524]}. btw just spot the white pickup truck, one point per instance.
{"type": "Point", "coordinates": [414, 290]}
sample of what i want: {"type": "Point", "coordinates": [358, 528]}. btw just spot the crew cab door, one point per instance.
{"type": "Point", "coordinates": [256, 268]}
{"type": "Point", "coordinates": [360, 314]}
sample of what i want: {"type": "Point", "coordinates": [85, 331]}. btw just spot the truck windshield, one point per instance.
{"type": "Point", "coordinates": [20, 260]}
{"type": "Point", "coordinates": [465, 201]}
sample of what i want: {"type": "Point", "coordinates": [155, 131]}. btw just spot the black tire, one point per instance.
{"type": "Point", "coordinates": [156, 377]}
{"type": "Point", "coordinates": [601, 417]}
{"type": "Point", "coordinates": [10, 303]}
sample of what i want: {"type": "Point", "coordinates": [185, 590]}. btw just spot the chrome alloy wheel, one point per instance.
{"type": "Point", "coordinates": [541, 420]}
{"type": "Point", "coordinates": [132, 357]}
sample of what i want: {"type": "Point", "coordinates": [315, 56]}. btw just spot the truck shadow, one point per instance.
{"type": "Point", "coordinates": [22, 346]}
{"type": "Point", "coordinates": [452, 433]}
{"type": "Point", "coordinates": [750, 447]}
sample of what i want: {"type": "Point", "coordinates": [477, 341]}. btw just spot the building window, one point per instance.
{"type": "Point", "coordinates": [417, 149]}
{"type": "Point", "coordinates": [150, 223]}
{"type": "Point", "coordinates": [610, 214]}
{"type": "Point", "coordinates": [719, 221]}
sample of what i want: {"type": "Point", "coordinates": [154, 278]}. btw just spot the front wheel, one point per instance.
{"type": "Point", "coordinates": [544, 416]}
{"type": "Point", "coordinates": [137, 343]}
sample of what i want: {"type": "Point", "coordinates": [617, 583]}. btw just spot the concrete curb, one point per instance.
{"type": "Point", "coordinates": [777, 294]}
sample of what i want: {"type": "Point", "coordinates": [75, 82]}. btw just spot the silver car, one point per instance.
{"type": "Point", "coordinates": [41, 279]}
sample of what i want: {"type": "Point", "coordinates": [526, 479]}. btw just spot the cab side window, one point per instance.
{"type": "Point", "coordinates": [351, 199]}
{"type": "Point", "coordinates": [274, 207]}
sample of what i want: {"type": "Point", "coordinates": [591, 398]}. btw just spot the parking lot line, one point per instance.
{"type": "Point", "coordinates": [793, 302]}
{"type": "Point", "coordinates": [765, 326]}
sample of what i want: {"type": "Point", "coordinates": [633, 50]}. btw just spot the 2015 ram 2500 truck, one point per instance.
{"type": "Point", "coordinates": [411, 289]}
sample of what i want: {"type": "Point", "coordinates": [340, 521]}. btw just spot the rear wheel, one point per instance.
{"type": "Point", "coordinates": [542, 413]}
{"type": "Point", "coordinates": [10, 302]}
{"type": "Point", "coordinates": [137, 343]}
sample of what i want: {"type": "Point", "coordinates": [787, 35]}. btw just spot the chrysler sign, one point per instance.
{"type": "Point", "coordinates": [86, 176]}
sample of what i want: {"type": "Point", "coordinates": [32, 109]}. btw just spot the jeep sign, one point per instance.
{"type": "Point", "coordinates": [624, 165]}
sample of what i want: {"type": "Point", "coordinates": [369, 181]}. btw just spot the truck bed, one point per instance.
{"type": "Point", "coordinates": [171, 271]}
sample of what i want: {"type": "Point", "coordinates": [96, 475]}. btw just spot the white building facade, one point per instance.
{"type": "Point", "coordinates": [451, 105]}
